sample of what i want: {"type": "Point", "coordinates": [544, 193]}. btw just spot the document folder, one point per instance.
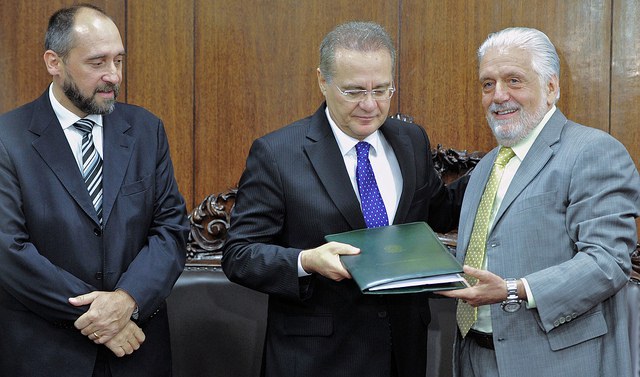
{"type": "Point", "coordinates": [395, 259]}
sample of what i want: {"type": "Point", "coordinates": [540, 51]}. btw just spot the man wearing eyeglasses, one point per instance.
{"type": "Point", "coordinates": [303, 182]}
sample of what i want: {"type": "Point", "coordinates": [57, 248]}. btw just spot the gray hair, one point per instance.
{"type": "Point", "coordinates": [355, 36]}
{"type": "Point", "coordinates": [544, 58]}
{"type": "Point", "coordinates": [60, 37]}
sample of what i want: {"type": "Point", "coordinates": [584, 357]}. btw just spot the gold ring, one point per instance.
{"type": "Point", "coordinates": [96, 335]}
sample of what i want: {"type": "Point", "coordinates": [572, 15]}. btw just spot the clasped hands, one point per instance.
{"type": "Point", "coordinates": [108, 321]}
{"type": "Point", "coordinates": [325, 260]}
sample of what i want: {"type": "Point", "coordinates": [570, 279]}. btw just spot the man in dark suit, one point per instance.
{"type": "Point", "coordinates": [92, 226]}
{"type": "Point", "coordinates": [301, 184]}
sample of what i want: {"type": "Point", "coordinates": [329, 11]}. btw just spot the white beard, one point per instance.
{"type": "Point", "coordinates": [511, 131]}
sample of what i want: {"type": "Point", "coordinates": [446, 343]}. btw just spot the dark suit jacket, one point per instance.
{"type": "Point", "coordinates": [53, 248]}
{"type": "Point", "coordinates": [294, 191]}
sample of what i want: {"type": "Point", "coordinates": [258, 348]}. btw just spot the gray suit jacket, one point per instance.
{"type": "Point", "coordinates": [567, 225]}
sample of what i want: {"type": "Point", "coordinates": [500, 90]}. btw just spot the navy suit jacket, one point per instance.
{"type": "Point", "coordinates": [52, 246]}
{"type": "Point", "coordinates": [294, 191]}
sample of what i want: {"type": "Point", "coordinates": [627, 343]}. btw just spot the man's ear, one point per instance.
{"type": "Point", "coordinates": [53, 62]}
{"type": "Point", "coordinates": [322, 82]}
{"type": "Point", "coordinates": [552, 90]}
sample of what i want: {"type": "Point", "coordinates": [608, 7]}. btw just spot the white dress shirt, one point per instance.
{"type": "Point", "coordinates": [74, 136]}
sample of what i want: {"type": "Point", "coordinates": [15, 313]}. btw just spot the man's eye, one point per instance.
{"type": "Point", "coordinates": [353, 93]}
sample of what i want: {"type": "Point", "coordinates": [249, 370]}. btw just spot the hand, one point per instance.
{"type": "Point", "coordinates": [325, 260]}
{"type": "Point", "coordinates": [635, 263]}
{"type": "Point", "coordinates": [489, 289]}
{"type": "Point", "coordinates": [126, 341]}
{"type": "Point", "coordinates": [108, 314]}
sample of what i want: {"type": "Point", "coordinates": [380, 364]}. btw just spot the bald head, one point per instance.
{"type": "Point", "coordinates": [66, 23]}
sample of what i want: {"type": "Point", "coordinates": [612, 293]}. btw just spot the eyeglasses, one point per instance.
{"type": "Point", "coordinates": [358, 95]}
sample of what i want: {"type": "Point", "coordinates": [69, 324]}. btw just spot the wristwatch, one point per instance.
{"type": "Point", "coordinates": [512, 304]}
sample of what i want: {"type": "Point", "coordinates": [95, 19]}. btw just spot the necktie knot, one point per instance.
{"type": "Point", "coordinates": [362, 150]}
{"type": "Point", "coordinates": [84, 125]}
{"type": "Point", "coordinates": [504, 155]}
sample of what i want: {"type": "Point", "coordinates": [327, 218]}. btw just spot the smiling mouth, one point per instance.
{"type": "Point", "coordinates": [505, 112]}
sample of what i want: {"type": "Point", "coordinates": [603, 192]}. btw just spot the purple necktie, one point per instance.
{"type": "Point", "coordinates": [375, 214]}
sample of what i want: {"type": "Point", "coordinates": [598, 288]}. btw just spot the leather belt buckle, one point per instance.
{"type": "Point", "coordinates": [483, 340]}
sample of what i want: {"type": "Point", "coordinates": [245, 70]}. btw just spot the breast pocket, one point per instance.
{"type": "Point", "coordinates": [537, 201]}
{"type": "Point", "coordinates": [137, 186]}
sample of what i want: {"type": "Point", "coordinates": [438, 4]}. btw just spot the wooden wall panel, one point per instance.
{"type": "Point", "coordinates": [625, 76]}
{"type": "Point", "coordinates": [222, 73]}
{"type": "Point", "coordinates": [22, 28]}
{"type": "Point", "coordinates": [256, 71]}
{"type": "Point", "coordinates": [159, 66]}
{"type": "Point", "coordinates": [438, 73]}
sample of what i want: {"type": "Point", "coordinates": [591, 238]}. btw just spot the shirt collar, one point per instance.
{"type": "Point", "coordinates": [347, 143]}
{"type": "Point", "coordinates": [522, 148]}
{"type": "Point", "coordinates": [66, 117]}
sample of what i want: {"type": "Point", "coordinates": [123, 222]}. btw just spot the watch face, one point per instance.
{"type": "Point", "coordinates": [511, 307]}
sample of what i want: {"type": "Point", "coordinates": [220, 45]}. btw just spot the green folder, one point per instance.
{"type": "Point", "coordinates": [395, 259]}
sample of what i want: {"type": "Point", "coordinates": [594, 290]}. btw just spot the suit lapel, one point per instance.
{"type": "Point", "coordinates": [540, 153]}
{"type": "Point", "coordinates": [117, 150]}
{"type": "Point", "coordinates": [324, 154]}
{"type": "Point", "coordinates": [401, 146]}
{"type": "Point", "coordinates": [472, 197]}
{"type": "Point", "coordinates": [53, 147]}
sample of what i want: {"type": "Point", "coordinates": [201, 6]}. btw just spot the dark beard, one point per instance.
{"type": "Point", "coordinates": [88, 105]}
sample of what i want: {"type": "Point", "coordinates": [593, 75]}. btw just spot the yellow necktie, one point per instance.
{"type": "Point", "coordinates": [466, 314]}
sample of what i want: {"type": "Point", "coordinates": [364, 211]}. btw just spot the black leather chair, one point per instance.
{"type": "Point", "coordinates": [217, 327]}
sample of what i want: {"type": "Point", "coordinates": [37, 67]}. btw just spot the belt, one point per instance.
{"type": "Point", "coordinates": [482, 339]}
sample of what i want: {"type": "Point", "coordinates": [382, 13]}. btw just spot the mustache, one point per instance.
{"type": "Point", "coordinates": [115, 88]}
{"type": "Point", "coordinates": [495, 107]}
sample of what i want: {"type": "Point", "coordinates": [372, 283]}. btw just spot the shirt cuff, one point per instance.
{"type": "Point", "coordinates": [530, 302]}
{"type": "Point", "coordinates": [301, 271]}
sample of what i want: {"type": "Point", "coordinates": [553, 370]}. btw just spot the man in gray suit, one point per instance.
{"type": "Point", "coordinates": [548, 252]}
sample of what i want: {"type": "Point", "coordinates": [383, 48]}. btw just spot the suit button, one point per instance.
{"type": "Point", "coordinates": [556, 323]}
{"type": "Point", "coordinates": [97, 232]}
{"type": "Point", "coordinates": [382, 314]}
{"type": "Point", "coordinates": [562, 319]}
{"type": "Point", "coordinates": [568, 318]}
{"type": "Point", "coordinates": [98, 275]}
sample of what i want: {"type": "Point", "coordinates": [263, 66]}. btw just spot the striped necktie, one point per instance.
{"type": "Point", "coordinates": [466, 314]}
{"type": "Point", "coordinates": [91, 164]}
{"type": "Point", "coordinates": [373, 209]}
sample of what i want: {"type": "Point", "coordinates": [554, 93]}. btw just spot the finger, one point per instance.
{"type": "Point", "coordinates": [97, 338]}
{"type": "Point", "coordinates": [140, 336]}
{"type": "Point", "coordinates": [85, 299]}
{"type": "Point", "coordinates": [127, 348]}
{"type": "Point", "coordinates": [83, 324]}
{"type": "Point", "coordinates": [117, 350]}
{"type": "Point", "coordinates": [342, 248]}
